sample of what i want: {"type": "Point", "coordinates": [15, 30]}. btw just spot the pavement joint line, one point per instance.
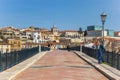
{"type": "Point", "coordinates": [104, 70]}
{"type": "Point", "coordinates": [12, 72]}
{"type": "Point", "coordinates": [61, 66]}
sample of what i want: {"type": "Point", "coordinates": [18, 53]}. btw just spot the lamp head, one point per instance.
{"type": "Point", "coordinates": [103, 17]}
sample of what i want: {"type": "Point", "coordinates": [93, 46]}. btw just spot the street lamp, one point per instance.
{"type": "Point", "coordinates": [103, 18]}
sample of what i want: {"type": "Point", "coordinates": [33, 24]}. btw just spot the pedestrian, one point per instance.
{"type": "Point", "coordinates": [68, 47]}
{"type": "Point", "coordinates": [101, 51]}
{"type": "Point", "coordinates": [48, 45]}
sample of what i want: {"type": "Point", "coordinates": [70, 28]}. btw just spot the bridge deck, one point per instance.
{"type": "Point", "coordinates": [60, 65]}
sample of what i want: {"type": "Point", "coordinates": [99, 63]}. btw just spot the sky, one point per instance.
{"type": "Point", "coordinates": [64, 14]}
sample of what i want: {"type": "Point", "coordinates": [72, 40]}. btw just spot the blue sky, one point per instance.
{"type": "Point", "coordinates": [65, 14]}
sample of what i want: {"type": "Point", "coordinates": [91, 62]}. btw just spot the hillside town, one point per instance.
{"type": "Point", "coordinates": [14, 39]}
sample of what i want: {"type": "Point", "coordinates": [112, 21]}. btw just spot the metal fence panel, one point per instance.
{"type": "Point", "coordinates": [118, 61]}
{"type": "Point", "coordinates": [8, 60]}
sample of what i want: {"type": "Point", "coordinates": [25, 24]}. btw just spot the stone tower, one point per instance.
{"type": "Point", "coordinates": [54, 30]}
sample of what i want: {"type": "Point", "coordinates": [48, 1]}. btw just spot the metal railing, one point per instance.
{"type": "Point", "coordinates": [8, 60]}
{"type": "Point", "coordinates": [110, 58]}
{"type": "Point", "coordinates": [77, 48]}
{"type": "Point", "coordinates": [43, 48]}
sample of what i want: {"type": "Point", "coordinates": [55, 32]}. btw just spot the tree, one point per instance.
{"type": "Point", "coordinates": [85, 33]}
{"type": "Point", "coordinates": [62, 35]}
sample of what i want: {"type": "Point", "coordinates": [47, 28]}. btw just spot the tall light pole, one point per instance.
{"type": "Point", "coordinates": [103, 18]}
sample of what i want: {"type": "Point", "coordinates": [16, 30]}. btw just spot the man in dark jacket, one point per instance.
{"type": "Point", "coordinates": [100, 53]}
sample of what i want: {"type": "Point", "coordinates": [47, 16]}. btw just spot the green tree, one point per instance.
{"type": "Point", "coordinates": [62, 35]}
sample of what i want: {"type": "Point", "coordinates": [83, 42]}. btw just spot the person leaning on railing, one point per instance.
{"type": "Point", "coordinates": [101, 51]}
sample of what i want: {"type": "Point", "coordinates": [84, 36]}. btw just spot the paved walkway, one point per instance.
{"type": "Point", "coordinates": [110, 72]}
{"type": "Point", "coordinates": [60, 65]}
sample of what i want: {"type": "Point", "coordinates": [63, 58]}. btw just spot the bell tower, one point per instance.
{"type": "Point", "coordinates": [54, 30]}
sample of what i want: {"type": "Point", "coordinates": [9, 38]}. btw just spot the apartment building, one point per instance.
{"type": "Point", "coordinates": [117, 34]}
{"type": "Point", "coordinates": [94, 27]}
{"type": "Point", "coordinates": [16, 44]}
{"type": "Point", "coordinates": [5, 47]}
{"type": "Point", "coordinates": [36, 36]}
{"type": "Point", "coordinates": [96, 33]}
{"type": "Point", "coordinates": [71, 33]}
{"type": "Point", "coordinates": [50, 35]}
{"type": "Point", "coordinates": [9, 33]}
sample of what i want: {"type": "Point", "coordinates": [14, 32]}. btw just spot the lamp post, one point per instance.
{"type": "Point", "coordinates": [103, 18]}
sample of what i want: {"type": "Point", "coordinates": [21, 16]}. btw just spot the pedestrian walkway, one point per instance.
{"type": "Point", "coordinates": [110, 72]}
{"type": "Point", "coordinates": [60, 65]}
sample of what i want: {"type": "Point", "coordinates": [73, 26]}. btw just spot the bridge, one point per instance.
{"type": "Point", "coordinates": [60, 65]}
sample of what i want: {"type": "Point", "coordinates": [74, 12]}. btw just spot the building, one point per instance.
{"type": "Point", "coordinates": [117, 34]}
{"type": "Point", "coordinates": [65, 41]}
{"type": "Point", "coordinates": [24, 38]}
{"type": "Point", "coordinates": [70, 34]}
{"type": "Point", "coordinates": [94, 27]}
{"type": "Point", "coordinates": [15, 44]}
{"type": "Point", "coordinates": [77, 40]}
{"type": "Point", "coordinates": [96, 33]}
{"type": "Point", "coordinates": [54, 30]}
{"type": "Point", "coordinates": [9, 33]}
{"type": "Point", "coordinates": [48, 35]}
{"type": "Point", "coordinates": [4, 47]}
{"type": "Point", "coordinates": [36, 35]}
{"type": "Point", "coordinates": [27, 33]}
{"type": "Point", "coordinates": [110, 33]}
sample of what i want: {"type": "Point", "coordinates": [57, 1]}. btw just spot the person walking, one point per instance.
{"type": "Point", "coordinates": [101, 50]}
{"type": "Point", "coordinates": [68, 47]}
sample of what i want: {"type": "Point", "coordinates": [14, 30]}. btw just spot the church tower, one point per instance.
{"type": "Point", "coordinates": [54, 30]}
